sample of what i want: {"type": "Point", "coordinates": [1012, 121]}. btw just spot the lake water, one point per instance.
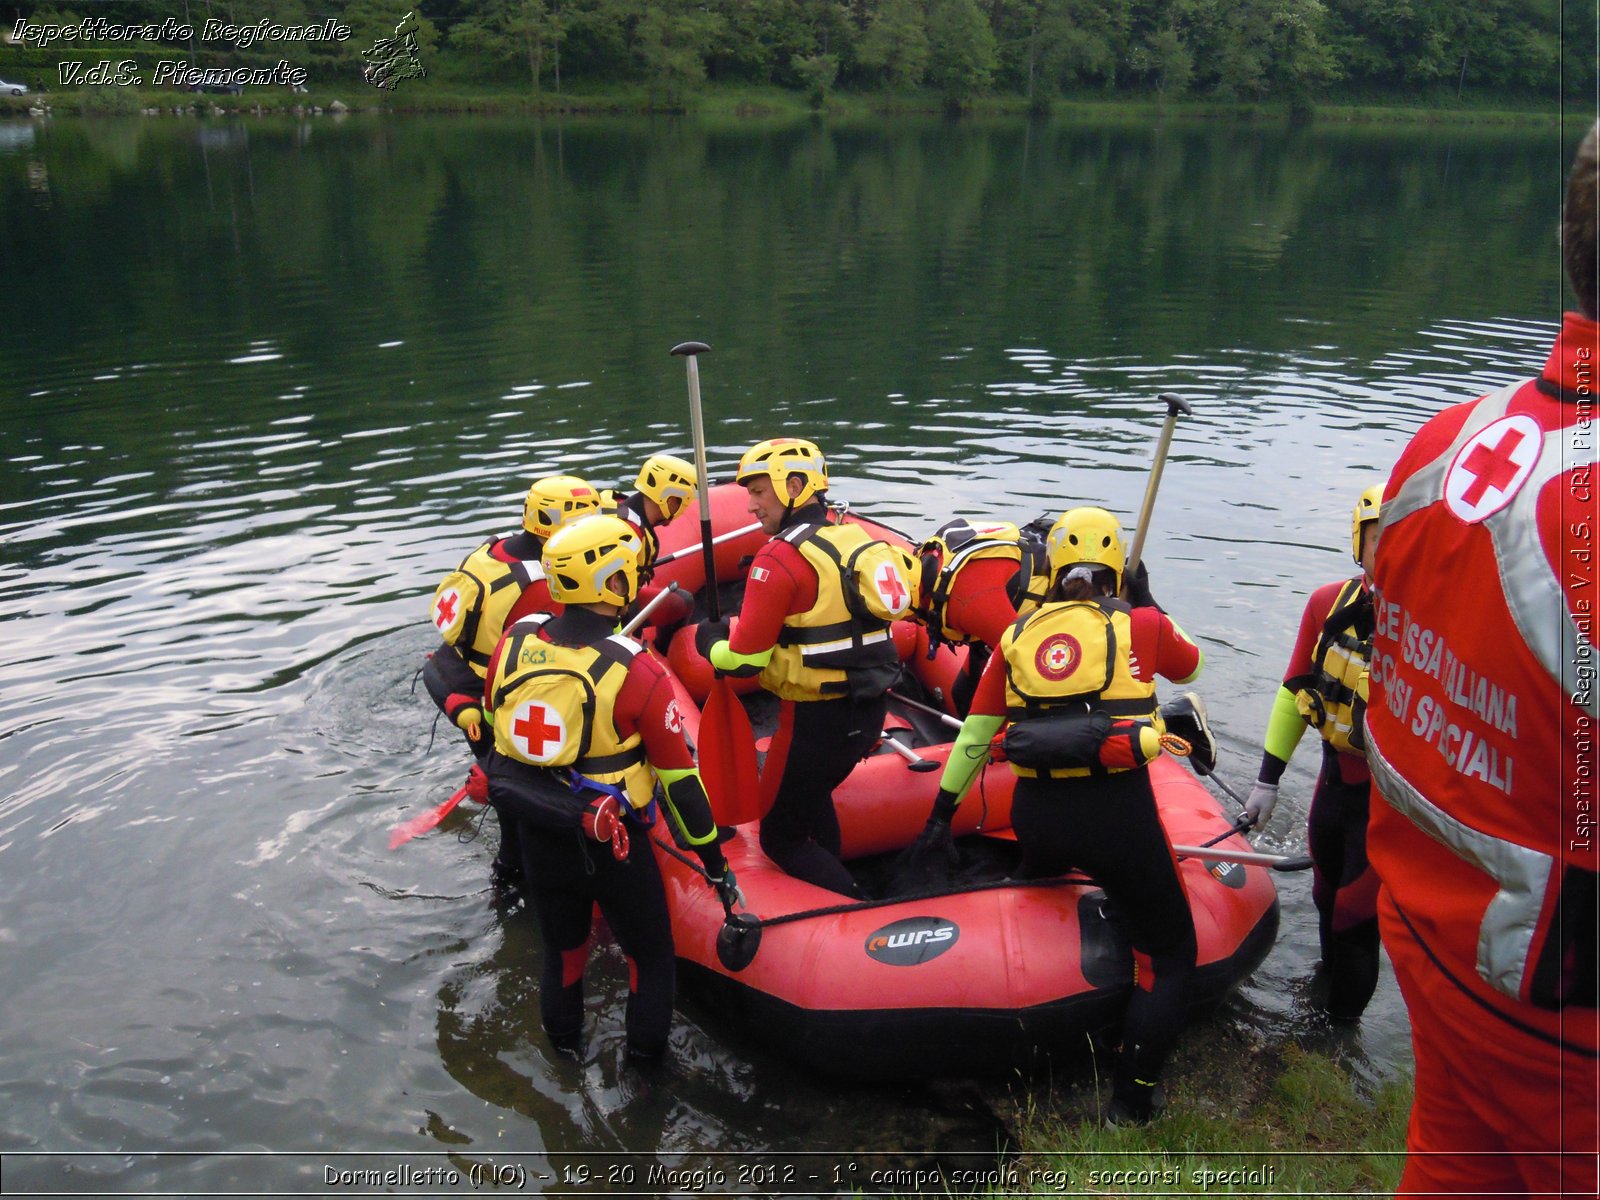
{"type": "Point", "coordinates": [263, 382]}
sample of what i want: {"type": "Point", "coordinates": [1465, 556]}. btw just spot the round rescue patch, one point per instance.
{"type": "Point", "coordinates": [1492, 467]}
{"type": "Point", "coordinates": [892, 589]}
{"type": "Point", "coordinates": [447, 610]}
{"type": "Point", "coordinates": [1058, 656]}
{"type": "Point", "coordinates": [537, 731]}
{"type": "Point", "coordinates": [672, 718]}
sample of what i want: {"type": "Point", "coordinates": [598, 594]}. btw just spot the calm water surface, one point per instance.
{"type": "Point", "coordinates": [261, 383]}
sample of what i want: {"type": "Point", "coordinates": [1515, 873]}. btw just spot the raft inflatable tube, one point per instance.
{"type": "Point", "coordinates": [979, 980]}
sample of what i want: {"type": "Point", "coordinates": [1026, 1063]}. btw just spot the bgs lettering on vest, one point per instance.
{"type": "Point", "coordinates": [554, 706]}
{"type": "Point", "coordinates": [471, 604]}
{"type": "Point", "coordinates": [841, 644]}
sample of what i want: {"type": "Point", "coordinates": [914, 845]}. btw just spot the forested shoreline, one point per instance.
{"type": "Point", "coordinates": [1296, 52]}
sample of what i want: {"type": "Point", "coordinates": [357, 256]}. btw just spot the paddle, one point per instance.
{"type": "Point", "coordinates": [727, 751]}
{"type": "Point", "coordinates": [1175, 405]}
{"type": "Point", "coordinates": [916, 761]}
{"type": "Point", "coordinates": [424, 821]}
{"type": "Point", "coordinates": [927, 708]}
{"type": "Point", "coordinates": [1249, 858]}
{"type": "Point", "coordinates": [684, 551]}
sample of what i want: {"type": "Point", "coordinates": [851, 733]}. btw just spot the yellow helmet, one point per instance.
{"type": "Point", "coordinates": [555, 500]}
{"type": "Point", "coordinates": [1086, 536]}
{"type": "Point", "coordinates": [581, 559]}
{"type": "Point", "coordinates": [779, 458]}
{"type": "Point", "coordinates": [664, 478]}
{"type": "Point", "coordinates": [1367, 509]}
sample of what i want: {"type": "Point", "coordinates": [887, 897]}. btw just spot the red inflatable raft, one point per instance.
{"type": "Point", "coordinates": [972, 981]}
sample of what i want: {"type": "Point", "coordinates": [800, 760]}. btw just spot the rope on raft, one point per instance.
{"type": "Point", "coordinates": [863, 905]}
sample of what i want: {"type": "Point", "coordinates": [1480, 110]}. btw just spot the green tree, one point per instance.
{"type": "Point", "coordinates": [817, 73]}
{"type": "Point", "coordinates": [671, 40]}
{"type": "Point", "coordinates": [1079, 41]}
{"type": "Point", "coordinates": [961, 49]}
{"type": "Point", "coordinates": [1164, 58]}
{"type": "Point", "coordinates": [896, 43]}
{"type": "Point", "coordinates": [536, 26]}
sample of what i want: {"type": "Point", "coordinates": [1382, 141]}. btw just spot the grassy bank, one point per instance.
{"type": "Point", "coordinates": [442, 96]}
{"type": "Point", "coordinates": [1241, 1119]}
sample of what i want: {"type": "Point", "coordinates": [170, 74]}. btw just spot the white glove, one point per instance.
{"type": "Point", "coordinates": [1263, 799]}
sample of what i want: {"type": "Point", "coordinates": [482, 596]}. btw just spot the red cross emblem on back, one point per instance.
{"type": "Point", "coordinates": [538, 730]}
{"type": "Point", "coordinates": [1492, 467]}
{"type": "Point", "coordinates": [892, 588]}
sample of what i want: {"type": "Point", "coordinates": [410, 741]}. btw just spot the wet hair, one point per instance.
{"type": "Point", "coordinates": [1578, 248]}
{"type": "Point", "coordinates": [1069, 587]}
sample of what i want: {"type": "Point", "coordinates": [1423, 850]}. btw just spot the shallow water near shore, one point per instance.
{"type": "Point", "coordinates": [265, 381]}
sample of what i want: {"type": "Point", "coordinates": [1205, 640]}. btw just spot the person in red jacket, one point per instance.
{"type": "Point", "coordinates": [587, 736]}
{"type": "Point", "coordinates": [495, 586]}
{"type": "Point", "coordinates": [805, 629]}
{"type": "Point", "coordinates": [665, 485]}
{"type": "Point", "coordinates": [1324, 689]}
{"type": "Point", "coordinates": [1077, 678]}
{"type": "Point", "coordinates": [977, 577]}
{"type": "Point", "coordinates": [1481, 734]}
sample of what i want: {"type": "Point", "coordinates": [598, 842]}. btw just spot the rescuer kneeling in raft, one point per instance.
{"type": "Point", "coordinates": [1076, 680]}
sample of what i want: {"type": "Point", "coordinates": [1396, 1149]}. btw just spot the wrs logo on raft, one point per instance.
{"type": "Point", "coordinates": [912, 941]}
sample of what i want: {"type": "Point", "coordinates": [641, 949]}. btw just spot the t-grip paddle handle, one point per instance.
{"type": "Point", "coordinates": [1175, 405]}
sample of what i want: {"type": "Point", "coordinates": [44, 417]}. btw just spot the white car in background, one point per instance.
{"type": "Point", "coordinates": [12, 89]}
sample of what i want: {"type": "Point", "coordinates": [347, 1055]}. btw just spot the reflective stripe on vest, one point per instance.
{"type": "Point", "coordinates": [1505, 936]}
{"type": "Point", "coordinates": [1530, 585]}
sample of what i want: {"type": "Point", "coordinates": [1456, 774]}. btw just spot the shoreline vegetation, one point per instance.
{"type": "Point", "coordinates": [1244, 1116]}
{"type": "Point", "coordinates": [758, 104]}
{"type": "Point", "coordinates": [1261, 1118]}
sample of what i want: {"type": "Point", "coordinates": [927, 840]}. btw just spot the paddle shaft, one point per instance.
{"type": "Point", "coordinates": [1223, 784]}
{"type": "Point", "coordinates": [685, 551]}
{"type": "Point", "coordinates": [1175, 405]}
{"type": "Point", "coordinates": [918, 763]}
{"type": "Point", "coordinates": [690, 352]}
{"type": "Point", "coordinates": [1249, 858]}
{"type": "Point", "coordinates": [929, 709]}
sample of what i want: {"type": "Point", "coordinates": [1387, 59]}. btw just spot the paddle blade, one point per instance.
{"type": "Point", "coordinates": [728, 757]}
{"type": "Point", "coordinates": [423, 821]}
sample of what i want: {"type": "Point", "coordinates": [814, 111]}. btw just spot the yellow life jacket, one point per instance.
{"type": "Point", "coordinates": [952, 546]}
{"type": "Point", "coordinates": [471, 604]}
{"type": "Point", "coordinates": [613, 504]}
{"type": "Point", "coordinates": [1073, 656]}
{"type": "Point", "coordinates": [841, 644]}
{"type": "Point", "coordinates": [1031, 583]}
{"type": "Point", "coordinates": [554, 706]}
{"type": "Point", "coordinates": [1333, 699]}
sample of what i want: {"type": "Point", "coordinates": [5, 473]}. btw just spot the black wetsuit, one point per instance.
{"type": "Point", "coordinates": [1107, 826]}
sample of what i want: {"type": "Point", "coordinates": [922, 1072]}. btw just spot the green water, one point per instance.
{"type": "Point", "coordinates": [262, 382]}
